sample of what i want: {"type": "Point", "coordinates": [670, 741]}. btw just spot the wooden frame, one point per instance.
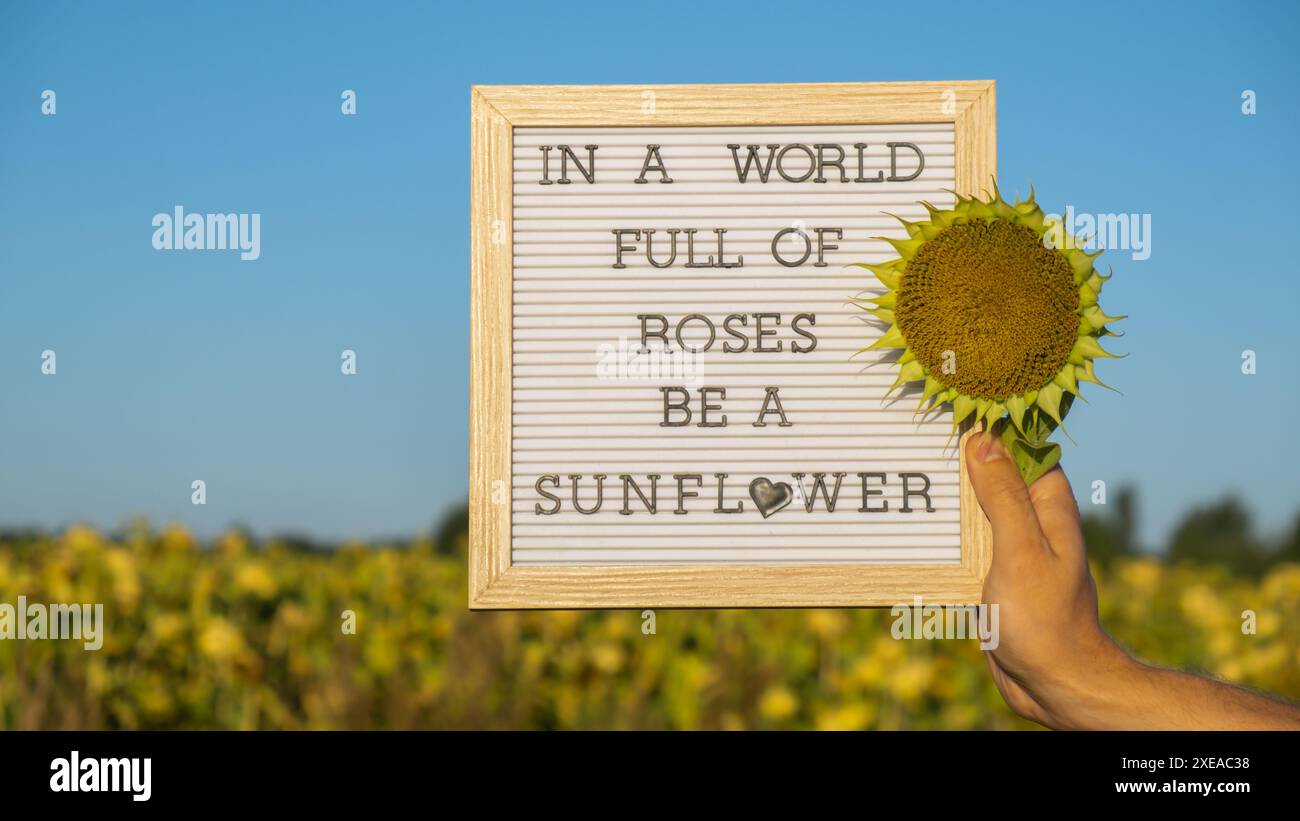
{"type": "Point", "coordinates": [496, 110]}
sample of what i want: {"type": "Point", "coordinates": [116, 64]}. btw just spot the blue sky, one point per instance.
{"type": "Point", "coordinates": [173, 367]}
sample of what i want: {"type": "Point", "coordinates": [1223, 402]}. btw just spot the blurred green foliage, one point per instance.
{"type": "Point", "coordinates": [234, 635]}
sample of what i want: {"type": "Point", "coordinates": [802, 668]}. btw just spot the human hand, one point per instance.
{"type": "Point", "coordinates": [1053, 663]}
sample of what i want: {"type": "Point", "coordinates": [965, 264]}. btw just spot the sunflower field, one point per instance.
{"type": "Point", "coordinates": [241, 636]}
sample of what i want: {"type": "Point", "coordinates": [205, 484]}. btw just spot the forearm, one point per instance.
{"type": "Point", "coordinates": [1130, 695]}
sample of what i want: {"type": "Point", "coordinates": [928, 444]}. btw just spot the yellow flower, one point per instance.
{"type": "Point", "coordinates": [381, 651]}
{"type": "Point", "coordinates": [155, 697]}
{"type": "Point", "coordinates": [1283, 583]}
{"type": "Point", "coordinates": [166, 626]}
{"type": "Point", "coordinates": [855, 716]}
{"type": "Point", "coordinates": [82, 539]}
{"type": "Point", "coordinates": [232, 543]}
{"type": "Point", "coordinates": [732, 722]}
{"type": "Point", "coordinates": [607, 658]}
{"type": "Point", "coordinates": [867, 671]}
{"type": "Point", "coordinates": [255, 578]}
{"type": "Point", "coordinates": [1268, 623]}
{"type": "Point", "coordinates": [1200, 604]}
{"type": "Point", "coordinates": [177, 537]}
{"type": "Point", "coordinates": [778, 704]}
{"type": "Point", "coordinates": [827, 623]}
{"type": "Point", "coordinates": [221, 641]}
{"type": "Point", "coordinates": [995, 309]}
{"type": "Point", "coordinates": [1230, 670]}
{"type": "Point", "coordinates": [1265, 663]}
{"type": "Point", "coordinates": [126, 579]}
{"type": "Point", "coordinates": [910, 679]}
{"type": "Point", "coordinates": [1143, 575]}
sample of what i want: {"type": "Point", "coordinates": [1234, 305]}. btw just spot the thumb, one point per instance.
{"type": "Point", "coordinates": [1002, 493]}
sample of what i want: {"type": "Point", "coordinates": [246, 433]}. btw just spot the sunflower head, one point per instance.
{"type": "Point", "coordinates": [995, 309]}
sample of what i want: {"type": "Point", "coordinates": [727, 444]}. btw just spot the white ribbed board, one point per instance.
{"type": "Point", "coordinates": [571, 307]}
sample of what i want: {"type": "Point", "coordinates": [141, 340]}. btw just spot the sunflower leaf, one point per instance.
{"type": "Point", "coordinates": [1032, 459]}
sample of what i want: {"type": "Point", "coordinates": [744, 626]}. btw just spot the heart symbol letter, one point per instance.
{"type": "Point", "coordinates": [769, 497]}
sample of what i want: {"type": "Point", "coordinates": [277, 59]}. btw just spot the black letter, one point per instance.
{"type": "Point", "coordinates": [661, 334]}
{"type": "Point", "coordinates": [794, 324]}
{"type": "Point", "coordinates": [807, 247]}
{"type": "Point", "coordinates": [759, 333]}
{"type": "Point", "coordinates": [652, 505]}
{"type": "Point", "coordinates": [682, 493]}
{"type": "Point", "coordinates": [566, 154]}
{"type": "Point", "coordinates": [652, 152]}
{"type": "Point", "coordinates": [600, 492]}
{"type": "Point", "coordinates": [740, 506]}
{"type": "Point", "coordinates": [713, 333]}
{"type": "Point", "coordinates": [727, 347]}
{"type": "Point", "coordinates": [705, 407]}
{"type": "Point", "coordinates": [683, 405]}
{"type": "Point", "coordinates": [780, 162]}
{"type": "Point", "coordinates": [893, 162]}
{"type": "Point", "coordinates": [819, 483]}
{"type": "Point", "coordinates": [770, 396]}
{"type": "Point", "coordinates": [880, 175]}
{"type": "Point", "coordinates": [753, 158]}
{"type": "Point", "coordinates": [822, 162]}
{"type": "Point", "coordinates": [822, 247]}
{"type": "Point", "coordinates": [546, 179]}
{"type": "Point", "coordinates": [554, 479]}
{"type": "Point", "coordinates": [619, 247]}
{"type": "Point", "coordinates": [649, 254]}
{"type": "Point", "coordinates": [924, 492]}
{"type": "Point", "coordinates": [868, 493]}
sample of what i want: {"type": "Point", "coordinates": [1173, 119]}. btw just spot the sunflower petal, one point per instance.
{"type": "Point", "coordinates": [1098, 317]}
{"type": "Point", "coordinates": [1016, 408]}
{"type": "Point", "coordinates": [1087, 373]}
{"type": "Point", "coordinates": [1049, 399]}
{"type": "Point", "coordinates": [962, 407]}
{"type": "Point", "coordinates": [888, 299]}
{"type": "Point", "coordinates": [906, 248]}
{"type": "Point", "coordinates": [1065, 379]}
{"type": "Point", "coordinates": [1090, 348]}
{"type": "Point", "coordinates": [911, 372]}
{"type": "Point", "coordinates": [892, 338]}
{"type": "Point", "coordinates": [932, 388]}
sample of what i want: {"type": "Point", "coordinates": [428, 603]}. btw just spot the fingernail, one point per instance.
{"type": "Point", "coordinates": [990, 449]}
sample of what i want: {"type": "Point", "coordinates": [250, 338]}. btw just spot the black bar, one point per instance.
{"type": "Point", "coordinates": [389, 770]}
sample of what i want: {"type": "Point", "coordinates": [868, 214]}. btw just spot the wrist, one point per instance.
{"type": "Point", "coordinates": [1105, 692]}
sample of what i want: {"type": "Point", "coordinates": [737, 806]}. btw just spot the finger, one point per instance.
{"type": "Point", "coordinates": [1058, 513]}
{"type": "Point", "coordinates": [1002, 494]}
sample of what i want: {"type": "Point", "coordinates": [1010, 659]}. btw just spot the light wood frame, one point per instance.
{"type": "Point", "coordinates": [494, 583]}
